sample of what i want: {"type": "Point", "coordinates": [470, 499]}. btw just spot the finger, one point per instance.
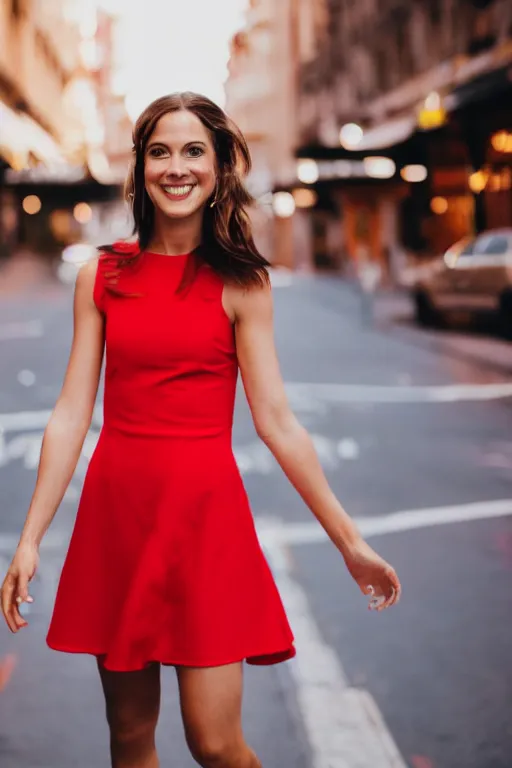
{"type": "Point", "coordinates": [7, 602]}
{"type": "Point", "coordinates": [18, 617]}
{"type": "Point", "coordinates": [15, 602]}
{"type": "Point", "coordinates": [393, 591]}
{"type": "Point", "coordinates": [396, 587]}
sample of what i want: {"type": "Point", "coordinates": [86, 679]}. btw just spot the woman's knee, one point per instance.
{"type": "Point", "coordinates": [214, 751]}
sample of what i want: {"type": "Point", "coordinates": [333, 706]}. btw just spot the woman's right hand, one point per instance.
{"type": "Point", "coordinates": [14, 590]}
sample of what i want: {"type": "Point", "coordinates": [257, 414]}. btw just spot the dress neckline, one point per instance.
{"type": "Point", "coordinates": [169, 256]}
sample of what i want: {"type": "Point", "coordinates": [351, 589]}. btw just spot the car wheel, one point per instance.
{"type": "Point", "coordinates": [425, 313]}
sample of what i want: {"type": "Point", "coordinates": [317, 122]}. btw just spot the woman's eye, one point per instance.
{"type": "Point", "coordinates": [157, 152]}
{"type": "Point", "coordinates": [196, 151]}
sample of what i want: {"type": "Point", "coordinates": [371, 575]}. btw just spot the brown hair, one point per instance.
{"type": "Point", "coordinates": [227, 244]}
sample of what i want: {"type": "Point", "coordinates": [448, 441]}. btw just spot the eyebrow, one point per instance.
{"type": "Point", "coordinates": [163, 144]}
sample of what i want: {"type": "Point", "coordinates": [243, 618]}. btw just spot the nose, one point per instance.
{"type": "Point", "coordinates": [176, 166]}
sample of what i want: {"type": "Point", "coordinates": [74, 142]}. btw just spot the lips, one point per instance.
{"type": "Point", "coordinates": [178, 192]}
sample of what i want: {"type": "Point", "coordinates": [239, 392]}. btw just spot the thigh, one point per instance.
{"type": "Point", "coordinates": [132, 698]}
{"type": "Point", "coordinates": [211, 703]}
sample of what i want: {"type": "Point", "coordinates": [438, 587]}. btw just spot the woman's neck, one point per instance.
{"type": "Point", "coordinates": [175, 236]}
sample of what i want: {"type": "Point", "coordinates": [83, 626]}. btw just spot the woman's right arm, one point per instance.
{"type": "Point", "coordinates": [62, 441]}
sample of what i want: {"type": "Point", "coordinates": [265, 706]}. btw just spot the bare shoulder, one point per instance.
{"type": "Point", "coordinates": [87, 271]}
{"type": "Point", "coordinates": [85, 279]}
{"type": "Point", "coordinates": [245, 302]}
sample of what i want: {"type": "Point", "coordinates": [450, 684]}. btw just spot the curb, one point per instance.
{"type": "Point", "coordinates": [455, 347]}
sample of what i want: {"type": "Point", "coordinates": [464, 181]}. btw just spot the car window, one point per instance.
{"type": "Point", "coordinates": [468, 248]}
{"type": "Point", "coordinates": [493, 245]}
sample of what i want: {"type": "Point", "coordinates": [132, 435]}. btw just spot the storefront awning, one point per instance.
{"type": "Point", "coordinates": [23, 142]}
{"type": "Point", "coordinates": [388, 134]}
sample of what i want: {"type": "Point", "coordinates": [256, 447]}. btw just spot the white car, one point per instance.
{"type": "Point", "coordinates": [473, 276]}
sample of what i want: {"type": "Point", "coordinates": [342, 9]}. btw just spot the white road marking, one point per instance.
{"type": "Point", "coordinates": [355, 393]}
{"type": "Point", "coordinates": [27, 378]}
{"type": "Point", "coordinates": [256, 457]}
{"type": "Point", "coordinates": [29, 420]}
{"type": "Point", "coordinates": [27, 447]}
{"type": "Point", "coordinates": [314, 397]}
{"type": "Point", "coordinates": [24, 420]}
{"type": "Point", "coordinates": [294, 534]}
{"type": "Point", "coordinates": [32, 329]}
{"type": "Point", "coordinates": [344, 725]}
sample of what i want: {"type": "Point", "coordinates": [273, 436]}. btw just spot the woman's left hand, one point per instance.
{"type": "Point", "coordinates": [373, 575]}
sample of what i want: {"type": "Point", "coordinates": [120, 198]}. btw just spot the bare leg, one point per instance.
{"type": "Point", "coordinates": [211, 707]}
{"type": "Point", "coordinates": [133, 704]}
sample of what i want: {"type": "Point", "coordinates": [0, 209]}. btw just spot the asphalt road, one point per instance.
{"type": "Point", "coordinates": [427, 684]}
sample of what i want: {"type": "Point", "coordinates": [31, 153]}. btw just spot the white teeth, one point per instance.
{"type": "Point", "coordinates": [178, 191]}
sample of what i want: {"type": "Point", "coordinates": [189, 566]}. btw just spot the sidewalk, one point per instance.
{"type": "Point", "coordinates": [394, 313]}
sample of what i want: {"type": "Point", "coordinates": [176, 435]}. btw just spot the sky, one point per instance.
{"type": "Point", "coordinates": [173, 45]}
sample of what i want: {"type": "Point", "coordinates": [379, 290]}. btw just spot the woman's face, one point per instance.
{"type": "Point", "coordinates": [180, 165]}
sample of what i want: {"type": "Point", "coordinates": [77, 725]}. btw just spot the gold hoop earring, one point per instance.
{"type": "Point", "coordinates": [214, 201]}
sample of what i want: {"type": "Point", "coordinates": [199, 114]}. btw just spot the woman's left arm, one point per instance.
{"type": "Point", "coordinates": [290, 443]}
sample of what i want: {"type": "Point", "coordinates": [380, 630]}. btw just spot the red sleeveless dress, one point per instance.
{"type": "Point", "coordinates": [164, 563]}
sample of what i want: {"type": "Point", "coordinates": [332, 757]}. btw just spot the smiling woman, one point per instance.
{"type": "Point", "coordinates": [188, 168]}
{"type": "Point", "coordinates": [164, 566]}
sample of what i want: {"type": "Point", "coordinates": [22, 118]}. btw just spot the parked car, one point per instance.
{"type": "Point", "coordinates": [474, 276]}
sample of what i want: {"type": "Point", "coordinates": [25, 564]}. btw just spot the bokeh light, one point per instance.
{"type": "Point", "coordinates": [307, 171]}
{"type": "Point", "coordinates": [31, 204]}
{"type": "Point", "coordinates": [414, 173]}
{"type": "Point", "coordinates": [82, 213]}
{"type": "Point", "coordinates": [439, 205]}
{"type": "Point", "coordinates": [283, 204]}
{"type": "Point", "coordinates": [379, 167]}
{"type": "Point", "coordinates": [305, 198]}
{"type": "Point", "coordinates": [351, 135]}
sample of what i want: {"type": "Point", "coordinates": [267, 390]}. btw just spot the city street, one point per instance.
{"type": "Point", "coordinates": [416, 443]}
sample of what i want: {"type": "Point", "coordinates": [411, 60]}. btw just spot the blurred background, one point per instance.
{"type": "Point", "coordinates": [381, 138]}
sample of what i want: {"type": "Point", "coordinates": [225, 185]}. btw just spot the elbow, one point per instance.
{"type": "Point", "coordinates": [276, 424]}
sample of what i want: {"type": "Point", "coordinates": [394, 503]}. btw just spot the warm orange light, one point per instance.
{"type": "Point", "coordinates": [506, 178]}
{"type": "Point", "coordinates": [82, 213]}
{"type": "Point", "coordinates": [439, 205]}
{"type": "Point", "coordinates": [31, 204]}
{"type": "Point", "coordinates": [502, 141]}
{"type": "Point", "coordinates": [304, 198]}
{"type": "Point", "coordinates": [477, 181]}
{"type": "Point", "coordinates": [414, 173]}
{"type": "Point", "coordinates": [432, 113]}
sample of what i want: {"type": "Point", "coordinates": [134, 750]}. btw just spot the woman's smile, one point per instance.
{"type": "Point", "coordinates": [177, 192]}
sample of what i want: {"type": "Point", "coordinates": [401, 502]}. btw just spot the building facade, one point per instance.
{"type": "Point", "coordinates": [261, 95]}
{"type": "Point", "coordinates": [388, 123]}
{"type": "Point", "coordinates": [53, 112]}
{"type": "Point", "coordinates": [429, 85]}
